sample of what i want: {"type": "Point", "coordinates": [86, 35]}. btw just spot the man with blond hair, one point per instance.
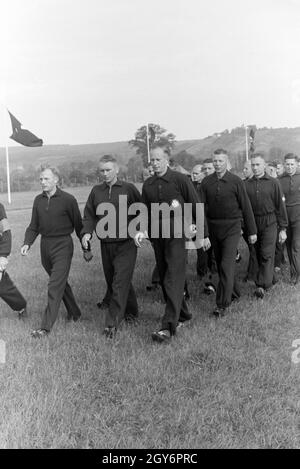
{"type": "Point", "coordinates": [55, 215]}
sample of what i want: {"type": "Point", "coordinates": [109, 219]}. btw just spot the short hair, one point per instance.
{"type": "Point", "coordinates": [164, 148]}
{"type": "Point", "coordinates": [108, 159]}
{"type": "Point", "coordinates": [291, 156]}
{"type": "Point", "coordinates": [220, 151]}
{"type": "Point", "coordinates": [277, 162]}
{"type": "Point", "coordinates": [54, 169]}
{"type": "Point", "coordinates": [208, 160]}
{"type": "Point", "coordinates": [257, 155]}
{"type": "Point", "coordinates": [272, 164]}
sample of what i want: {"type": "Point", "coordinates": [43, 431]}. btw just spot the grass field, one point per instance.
{"type": "Point", "coordinates": [227, 383]}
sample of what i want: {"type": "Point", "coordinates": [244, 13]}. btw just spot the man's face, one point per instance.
{"type": "Point", "coordinates": [290, 166]}
{"type": "Point", "coordinates": [208, 168]}
{"type": "Point", "coordinates": [159, 161]}
{"type": "Point", "coordinates": [280, 169]}
{"type": "Point", "coordinates": [109, 171]}
{"type": "Point", "coordinates": [197, 174]}
{"type": "Point", "coordinates": [220, 163]}
{"type": "Point", "coordinates": [48, 180]}
{"type": "Point", "coordinates": [271, 171]}
{"type": "Point", "coordinates": [247, 171]}
{"type": "Point", "coordinates": [258, 166]}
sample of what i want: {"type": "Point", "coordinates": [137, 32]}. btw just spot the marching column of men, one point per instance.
{"type": "Point", "coordinates": [266, 209]}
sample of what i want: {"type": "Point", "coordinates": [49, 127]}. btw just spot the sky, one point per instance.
{"type": "Point", "coordinates": [75, 71]}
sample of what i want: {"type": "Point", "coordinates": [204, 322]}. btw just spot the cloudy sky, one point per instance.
{"type": "Point", "coordinates": [85, 71]}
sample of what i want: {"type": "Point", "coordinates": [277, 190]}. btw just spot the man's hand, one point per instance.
{"type": "Point", "coordinates": [252, 239]}
{"type": "Point", "coordinates": [282, 236]}
{"type": "Point", "coordinates": [139, 238]}
{"type": "Point", "coordinates": [24, 250]}
{"type": "Point", "coordinates": [3, 263]}
{"type": "Point", "coordinates": [85, 239]}
{"type": "Point", "coordinates": [206, 244]}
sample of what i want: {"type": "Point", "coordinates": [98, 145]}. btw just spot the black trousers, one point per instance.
{"type": "Point", "coordinates": [56, 256]}
{"type": "Point", "coordinates": [118, 260]}
{"type": "Point", "coordinates": [265, 252]}
{"type": "Point", "coordinates": [205, 262]}
{"type": "Point", "coordinates": [279, 252]}
{"type": "Point", "coordinates": [293, 240]}
{"type": "Point", "coordinates": [10, 294]}
{"type": "Point", "coordinates": [170, 255]}
{"type": "Point", "coordinates": [224, 236]}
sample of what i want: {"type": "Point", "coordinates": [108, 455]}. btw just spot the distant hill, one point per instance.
{"type": "Point", "coordinates": [273, 142]}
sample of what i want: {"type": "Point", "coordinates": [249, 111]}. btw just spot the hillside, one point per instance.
{"type": "Point", "coordinates": [273, 142]}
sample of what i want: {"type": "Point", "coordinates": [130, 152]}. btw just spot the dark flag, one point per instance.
{"type": "Point", "coordinates": [251, 136]}
{"type": "Point", "coordinates": [23, 136]}
{"type": "Point", "coordinates": [151, 135]}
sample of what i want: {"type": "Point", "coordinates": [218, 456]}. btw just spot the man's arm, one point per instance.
{"type": "Point", "coordinates": [281, 214]}
{"type": "Point", "coordinates": [245, 205]}
{"type": "Point", "coordinates": [190, 195]}
{"type": "Point", "coordinates": [32, 231]}
{"type": "Point", "coordinates": [5, 239]}
{"type": "Point", "coordinates": [76, 217]}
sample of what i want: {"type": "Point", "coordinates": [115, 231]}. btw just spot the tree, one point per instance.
{"type": "Point", "coordinates": [157, 136]}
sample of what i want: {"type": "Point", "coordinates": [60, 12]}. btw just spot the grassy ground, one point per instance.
{"type": "Point", "coordinates": [228, 383]}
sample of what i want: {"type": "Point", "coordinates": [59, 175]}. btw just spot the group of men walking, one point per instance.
{"type": "Point", "coordinates": [264, 209]}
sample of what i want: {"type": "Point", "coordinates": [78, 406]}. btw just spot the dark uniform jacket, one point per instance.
{"type": "Point", "coordinates": [5, 234]}
{"type": "Point", "coordinates": [102, 194]}
{"type": "Point", "coordinates": [53, 217]}
{"type": "Point", "coordinates": [291, 189]}
{"type": "Point", "coordinates": [226, 199]}
{"type": "Point", "coordinates": [266, 198]}
{"type": "Point", "coordinates": [172, 187]}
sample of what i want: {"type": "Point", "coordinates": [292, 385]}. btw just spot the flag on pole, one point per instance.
{"type": "Point", "coordinates": [23, 136]}
{"type": "Point", "coordinates": [251, 137]}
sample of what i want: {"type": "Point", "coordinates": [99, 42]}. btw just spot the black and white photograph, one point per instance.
{"type": "Point", "coordinates": [149, 228]}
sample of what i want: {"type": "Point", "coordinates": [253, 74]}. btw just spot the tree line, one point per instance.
{"type": "Point", "coordinates": [26, 177]}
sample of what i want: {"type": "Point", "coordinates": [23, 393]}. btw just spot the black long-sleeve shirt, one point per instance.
{"type": "Point", "coordinates": [96, 210]}
{"type": "Point", "coordinates": [226, 199]}
{"type": "Point", "coordinates": [5, 234]}
{"type": "Point", "coordinates": [53, 216]}
{"type": "Point", "coordinates": [266, 199]}
{"type": "Point", "coordinates": [291, 189]}
{"type": "Point", "coordinates": [171, 188]}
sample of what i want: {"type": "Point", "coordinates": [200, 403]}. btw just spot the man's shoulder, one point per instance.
{"type": "Point", "coordinates": [128, 185]}
{"type": "Point", "coordinates": [180, 177]}
{"type": "Point", "coordinates": [67, 195]}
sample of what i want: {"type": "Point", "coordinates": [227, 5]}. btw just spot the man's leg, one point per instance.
{"type": "Point", "coordinates": [10, 294]}
{"type": "Point", "coordinates": [225, 254]}
{"type": "Point", "coordinates": [293, 248]}
{"type": "Point", "coordinates": [266, 254]}
{"type": "Point", "coordinates": [123, 255]}
{"type": "Point", "coordinates": [202, 262]}
{"type": "Point", "coordinates": [56, 256]}
{"type": "Point", "coordinates": [173, 284]}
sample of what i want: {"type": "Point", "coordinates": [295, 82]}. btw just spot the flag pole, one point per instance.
{"type": "Point", "coordinates": [246, 135]}
{"type": "Point", "coordinates": [8, 175]}
{"type": "Point", "coordinates": [148, 146]}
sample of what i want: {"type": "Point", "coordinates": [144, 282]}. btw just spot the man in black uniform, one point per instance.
{"type": "Point", "coordinates": [8, 291]}
{"type": "Point", "coordinates": [226, 204]}
{"type": "Point", "coordinates": [55, 215]}
{"type": "Point", "coordinates": [118, 250]}
{"type": "Point", "coordinates": [290, 184]}
{"type": "Point", "coordinates": [265, 195]}
{"type": "Point", "coordinates": [174, 190]}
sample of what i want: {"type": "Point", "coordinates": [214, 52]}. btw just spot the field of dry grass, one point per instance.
{"type": "Point", "coordinates": [228, 383]}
